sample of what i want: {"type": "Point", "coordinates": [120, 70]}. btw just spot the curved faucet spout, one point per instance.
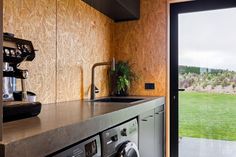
{"type": "Point", "coordinates": [93, 87]}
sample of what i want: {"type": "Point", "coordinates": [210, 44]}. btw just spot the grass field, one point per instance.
{"type": "Point", "coordinates": [205, 115]}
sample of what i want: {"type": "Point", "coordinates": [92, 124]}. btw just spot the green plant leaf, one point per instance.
{"type": "Point", "coordinates": [122, 77]}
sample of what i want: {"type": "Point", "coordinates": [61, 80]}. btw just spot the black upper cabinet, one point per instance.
{"type": "Point", "coordinates": [118, 10]}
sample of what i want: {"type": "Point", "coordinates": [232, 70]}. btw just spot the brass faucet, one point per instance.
{"type": "Point", "coordinates": [94, 89]}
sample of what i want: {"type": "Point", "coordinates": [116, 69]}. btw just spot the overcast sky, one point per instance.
{"type": "Point", "coordinates": [208, 39]}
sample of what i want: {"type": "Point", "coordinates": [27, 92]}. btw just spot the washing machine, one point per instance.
{"type": "Point", "coordinates": [88, 148]}
{"type": "Point", "coordinates": [121, 141]}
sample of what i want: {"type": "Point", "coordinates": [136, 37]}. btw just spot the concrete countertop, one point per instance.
{"type": "Point", "coordinates": [62, 124]}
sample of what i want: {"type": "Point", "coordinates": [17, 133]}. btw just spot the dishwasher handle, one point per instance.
{"type": "Point", "coordinates": [146, 118]}
{"type": "Point", "coordinates": [160, 112]}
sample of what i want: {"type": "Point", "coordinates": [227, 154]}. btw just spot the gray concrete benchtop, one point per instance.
{"type": "Point", "coordinates": [62, 124]}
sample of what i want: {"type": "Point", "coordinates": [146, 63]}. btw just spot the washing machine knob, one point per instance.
{"type": "Point", "coordinates": [123, 132]}
{"type": "Point", "coordinates": [114, 138]}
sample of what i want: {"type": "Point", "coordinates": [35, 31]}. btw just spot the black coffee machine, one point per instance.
{"type": "Point", "coordinates": [17, 104]}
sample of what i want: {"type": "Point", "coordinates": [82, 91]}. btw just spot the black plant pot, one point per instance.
{"type": "Point", "coordinates": [122, 93]}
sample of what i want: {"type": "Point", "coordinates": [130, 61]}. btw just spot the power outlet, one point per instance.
{"type": "Point", "coordinates": [149, 86]}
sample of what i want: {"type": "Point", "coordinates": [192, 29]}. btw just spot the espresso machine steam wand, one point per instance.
{"type": "Point", "coordinates": [25, 74]}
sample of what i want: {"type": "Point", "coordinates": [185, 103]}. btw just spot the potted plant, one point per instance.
{"type": "Point", "coordinates": [121, 78]}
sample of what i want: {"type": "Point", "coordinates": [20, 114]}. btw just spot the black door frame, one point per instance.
{"type": "Point", "coordinates": [175, 10]}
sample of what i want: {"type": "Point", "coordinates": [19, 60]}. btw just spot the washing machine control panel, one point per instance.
{"type": "Point", "coordinates": [88, 148]}
{"type": "Point", "coordinates": [113, 138]}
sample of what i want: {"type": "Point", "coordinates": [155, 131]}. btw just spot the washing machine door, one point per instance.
{"type": "Point", "coordinates": [128, 149]}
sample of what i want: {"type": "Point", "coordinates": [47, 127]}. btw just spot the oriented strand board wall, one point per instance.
{"type": "Point", "coordinates": [35, 20]}
{"type": "Point", "coordinates": [84, 37]}
{"type": "Point", "coordinates": [144, 43]}
{"type": "Point", "coordinates": [70, 37]}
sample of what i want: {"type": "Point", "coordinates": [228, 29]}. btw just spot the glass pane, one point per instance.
{"type": "Point", "coordinates": [207, 79]}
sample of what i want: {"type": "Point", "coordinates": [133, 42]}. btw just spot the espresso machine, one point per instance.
{"type": "Point", "coordinates": [17, 104]}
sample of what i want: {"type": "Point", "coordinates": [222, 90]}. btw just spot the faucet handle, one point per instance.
{"type": "Point", "coordinates": [96, 90]}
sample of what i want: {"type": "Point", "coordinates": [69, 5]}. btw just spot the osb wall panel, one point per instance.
{"type": "Point", "coordinates": [70, 36]}
{"type": "Point", "coordinates": [144, 44]}
{"type": "Point", "coordinates": [84, 38]}
{"type": "Point", "coordinates": [35, 20]}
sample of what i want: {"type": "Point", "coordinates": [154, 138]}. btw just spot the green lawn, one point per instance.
{"type": "Point", "coordinates": [205, 115]}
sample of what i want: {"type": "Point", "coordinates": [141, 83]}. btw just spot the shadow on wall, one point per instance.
{"type": "Point", "coordinates": [82, 82]}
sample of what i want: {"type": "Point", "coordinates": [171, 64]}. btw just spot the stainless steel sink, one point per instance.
{"type": "Point", "coordinates": [119, 100]}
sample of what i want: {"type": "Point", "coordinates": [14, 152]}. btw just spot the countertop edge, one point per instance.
{"type": "Point", "coordinates": [76, 132]}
